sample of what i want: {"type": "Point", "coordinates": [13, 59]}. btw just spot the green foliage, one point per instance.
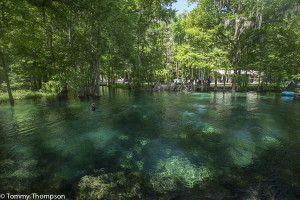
{"type": "Point", "coordinates": [61, 45]}
{"type": "Point", "coordinates": [53, 86]}
{"type": "Point", "coordinates": [24, 94]}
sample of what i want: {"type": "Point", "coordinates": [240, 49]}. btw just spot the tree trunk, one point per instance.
{"type": "Point", "coordinates": [98, 63]}
{"type": "Point", "coordinates": [177, 73]}
{"type": "Point", "coordinates": [236, 35]}
{"type": "Point", "coordinates": [238, 82]}
{"type": "Point", "coordinates": [82, 85]}
{"type": "Point", "coordinates": [128, 71]}
{"type": "Point", "coordinates": [202, 79]}
{"type": "Point", "coordinates": [151, 76]}
{"type": "Point", "coordinates": [147, 77]}
{"type": "Point", "coordinates": [216, 83]}
{"type": "Point", "coordinates": [139, 56]}
{"type": "Point", "coordinates": [236, 62]}
{"type": "Point", "coordinates": [258, 86]}
{"type": "Point", "coordinates": [5, 67]}
{"type": "Point", "coordinates": [224, 79]}
{"type": "Point", "coordinates": [72, 45]}
{"type": "Point", "coordinates": [199, 79]}
{"type": "Point", "coordinates": [112, 75]}
{"type": "Point", "coordinates": [124, 72]}
{"type": "Point", "coordinates": [51, 46]}
{"type": "Point", "coordinates": [93, 78]}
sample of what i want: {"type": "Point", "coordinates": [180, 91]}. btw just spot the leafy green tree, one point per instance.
{"type": "Point", "coordinates": [229, 20]}
{"type": "Point", "coordinates": [148, 12]}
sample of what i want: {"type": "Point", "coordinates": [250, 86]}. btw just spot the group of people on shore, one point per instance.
{"type": "Point", "coordinates": [205, 82]}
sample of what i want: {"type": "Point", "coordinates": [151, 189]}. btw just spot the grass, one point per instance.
{"type": "Point", "coordinates": [121, 85]}
{"type": "Point", "coordinates": [23, 94]}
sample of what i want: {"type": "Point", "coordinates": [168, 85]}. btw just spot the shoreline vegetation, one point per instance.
{"type": "Point", "coordinates": [22, 94]}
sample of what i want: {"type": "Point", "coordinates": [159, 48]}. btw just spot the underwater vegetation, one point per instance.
{"type": "Point", "coordinates": [242, 148]}
{"type": "Point", "coordinates": [110, 186]}
{"type": "Point", "coordinates": [169, 175]}
{"type": "Point", "coordinates": [177, 178]}
{"type": "Point", "coordinates": [15, 176]}
{"type": "Point", "coordinates": [177, 169]}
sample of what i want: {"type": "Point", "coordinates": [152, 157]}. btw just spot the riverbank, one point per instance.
{"type": "Point", "coordinates": [221, 87]}
{"type": "Point", "coordinates": [20, 94]}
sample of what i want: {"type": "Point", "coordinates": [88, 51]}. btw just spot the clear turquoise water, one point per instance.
{"type": "Point", "coordinates": [190, 146]}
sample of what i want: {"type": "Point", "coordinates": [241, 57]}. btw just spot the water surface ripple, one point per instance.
{"type": "Point", "coordinates": [146, 145]}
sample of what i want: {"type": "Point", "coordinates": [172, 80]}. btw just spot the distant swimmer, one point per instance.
{"type": "Point", "coordinates": [93, 107]}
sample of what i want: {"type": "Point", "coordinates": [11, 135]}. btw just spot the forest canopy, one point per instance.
{"type": "Point", "coordinates": [62, 45]}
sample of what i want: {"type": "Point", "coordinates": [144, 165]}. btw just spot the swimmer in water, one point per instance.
{"type": "Point", "coordinates": [93, 107]}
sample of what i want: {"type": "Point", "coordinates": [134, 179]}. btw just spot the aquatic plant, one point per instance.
{"type": "Point", "coordinates": [177, 169]}
{"type": "Point", "coordinates": [123, 137]}
{"type": "Point", "coordinates": [15, 176]}
{"type": "Point", "coordinates": [269, 142]}
{"type": "Point", "coordinates": [140, 165]}
{"type": "Point", "coordinates": [188, 114]}
{"type": "Point", "coordinates": [241, 156]}
{"type": "Point", "coordinates": [136, 106]}
{"type": "Point", "coordinates": [143, 141]}
{"type": "Point", "coordinates": [110, 186]}
{"type": "Point", "coordinates": [163, 184]}
{"type": "Point", "coordinates": [183, 136]}
{"type": "Point", "coordinates": [132, 159]}
{"type": "Point", "coordinates": [242, 150]}
{"type": "Point", "coordinates": [209, 129]}
{"type": "Point", "coordinates": [93, 187]}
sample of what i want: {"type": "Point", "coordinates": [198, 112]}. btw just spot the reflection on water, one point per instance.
{"type": "Point", "coordinates": [153, 146]}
